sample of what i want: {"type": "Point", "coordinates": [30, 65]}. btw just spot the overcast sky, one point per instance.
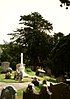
{"type": "Point", "coordinates": [11, 10]}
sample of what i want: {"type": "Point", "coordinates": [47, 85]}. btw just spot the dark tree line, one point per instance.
{"type": "Point", "coordinates": [60, 56]}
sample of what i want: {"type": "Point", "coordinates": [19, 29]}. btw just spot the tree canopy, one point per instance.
{"type": "Point", "coordinates": [60, 56]}
{"type": "Point", "coordinates": [33, 35]}
{"type": "Point", "coordinates": [65, 3]}
{"type": "Point", "coordinates": [39, 48]}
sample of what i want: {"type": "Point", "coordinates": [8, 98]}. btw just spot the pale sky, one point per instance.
{"type": "Point", "coordinates": [11, 10]}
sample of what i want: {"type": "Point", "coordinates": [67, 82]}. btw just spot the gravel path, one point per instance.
{"type": "Point", "coordinates": [17, 86]}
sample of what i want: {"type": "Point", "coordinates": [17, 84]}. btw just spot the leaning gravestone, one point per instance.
{"type": "Point", "coordinates": [8, 92]}
{"type": "Point", "coordinates": [5, 66]}
{"type": "Point", "coordinates": [18, 76]}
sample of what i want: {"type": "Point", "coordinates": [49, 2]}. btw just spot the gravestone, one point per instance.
{"type": "Point", "coordinates": [60, 91]}
{"type": "Point", "coordinates": [18, 76]}
{"type": "Point", "coordinates": [48, 71]}
{"type": "Point", "coordinates": [8, 75]}
{"type": "Point", "coordinates": [35, 81]}
{"type": "Point", "coordinates": [60, 79]}
{"type": "Point", "coordinates": [9, 69]}
{"type": "Point", "coordinates": [5, 66]}
{"type": "Point", "coordinates": [45, 93]}
{"type": "Point", "coordinates": [44, 82]}
{"type": "Point", "coordinates": [8, 92]}
{"type": "Point", "coordinates": [29, 93]}
{"type": "Point", "coordinates": [40, 72]}
{"type": "Point", "coordinates": [21, 67]}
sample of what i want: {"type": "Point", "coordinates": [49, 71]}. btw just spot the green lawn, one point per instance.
{"type": "Point", "coordinates": [28, 71]}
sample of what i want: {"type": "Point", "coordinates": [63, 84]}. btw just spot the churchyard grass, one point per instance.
{"type": "Point", "coordinates": [28, 71]}
{"type": "Point", "coordinates": [19, 94]}
{"type": "Point", "coordinates": [2, 79]}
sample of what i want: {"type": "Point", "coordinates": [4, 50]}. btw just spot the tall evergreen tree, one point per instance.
{"type": "Point", "coordinates": [33, 35]}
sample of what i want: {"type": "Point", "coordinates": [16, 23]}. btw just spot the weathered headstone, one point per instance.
{"type": "Point", "coordinates": [8, 75]}
{"type": "Point", "coordinates": [48, 71]}
{"type": "Point", "coordinates": [45, 93]}
{"type": "Point", "coordinates": [18, 76]}
{"type": "Point", "coordinates": [35, 81]}
{"type": "Point", "coordinates": [40, 72]}
{"type": "Point", "coordinates": [5, 66]}
{"type": "Point", "coordinates": [9, 69]}
{"type": "Point", "coordinates": [60, 78]}
{"type": "Point", "coordinates": [60, 91]}
{"type": "Point", "coordinates": [44, 82]}
{"type": "Point", "coordinates": [29, 93]}
{"type": "Point", "coordinates": [8, 92]}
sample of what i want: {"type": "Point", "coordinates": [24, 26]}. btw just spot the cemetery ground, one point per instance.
{"type": "Point", "coordinates": [22, 86]}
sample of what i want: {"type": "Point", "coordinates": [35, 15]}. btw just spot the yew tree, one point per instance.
{"type": "Point", "coordinates": [33, 35]}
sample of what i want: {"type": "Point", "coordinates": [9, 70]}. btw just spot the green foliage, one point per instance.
{"type": "Point", "coordinates": [29, 71]}
{"type": "Point", "coordinates": [11, 52]}
{"type": "Point", "coordinates": [61, 56]}
{"type": "Point", "coordinates": [65, 3]}
{"type": "Point", "coordinates": [57, 37]}
{"type": "Point", "coordinates": [53, 80]}
{"type": "Point", "coordinates": [39, 48]}
{"type": "Point", "coordinates": [33, 36]}
{"type": "Point", "coordinates": [0, 69]}
{"type": "Point", "coordinates": [20, 92]}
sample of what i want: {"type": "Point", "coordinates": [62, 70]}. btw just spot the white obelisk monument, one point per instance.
{"type": "Point", "coordinates": [22, 67]}
{"type": "Point", "coordinates": [22, 59]}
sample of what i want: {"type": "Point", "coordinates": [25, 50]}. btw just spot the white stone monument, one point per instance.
{"type": "Point", "coordinates": [22, 66]}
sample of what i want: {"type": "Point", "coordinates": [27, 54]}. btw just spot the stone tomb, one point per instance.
{"type": "Point", "coordinates": [5, 66]}
{"type": "Point", "coordinates": [40, 72]}
{"type": "Point", "coordinates": [8, 92]}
